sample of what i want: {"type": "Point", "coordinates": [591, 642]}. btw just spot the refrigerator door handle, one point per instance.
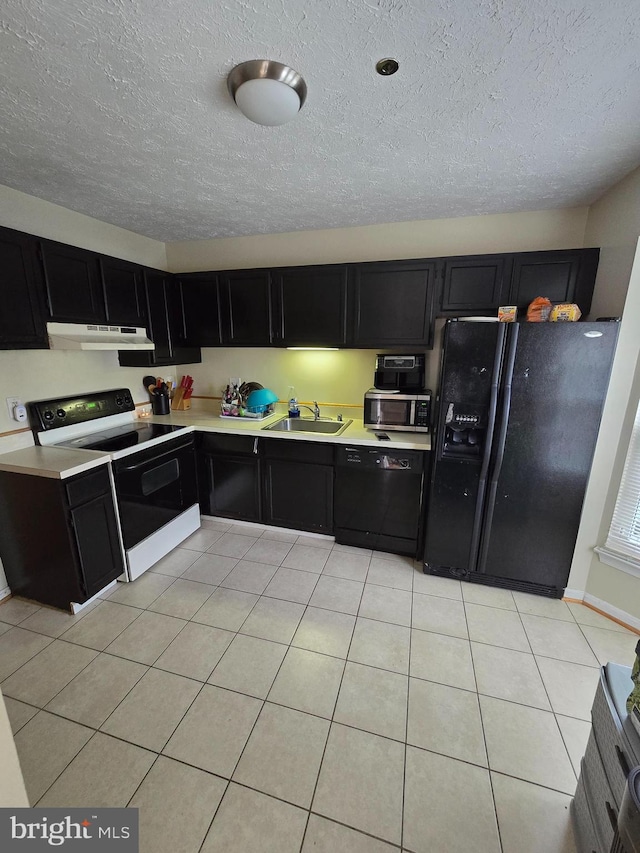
{"type": "Point", "coordinates": [486, 457]}
{"type": "Point", "coordinates": [501, 441]}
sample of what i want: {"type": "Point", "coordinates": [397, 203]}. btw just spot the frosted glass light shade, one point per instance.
{"type": "Point", "coordinates": [267, 102]}
{"type": "Point", "coordinates": [267, 92]}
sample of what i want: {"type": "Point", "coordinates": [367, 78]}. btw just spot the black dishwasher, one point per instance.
{"type": "Point", "coordinates": [378, 498]}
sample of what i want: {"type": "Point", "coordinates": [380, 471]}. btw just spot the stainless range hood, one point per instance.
{"type": "Point", "coordinates": [96, 336]}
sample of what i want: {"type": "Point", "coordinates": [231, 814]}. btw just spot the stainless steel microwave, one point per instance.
{"type": "Point", "coordinates": [389, 411]}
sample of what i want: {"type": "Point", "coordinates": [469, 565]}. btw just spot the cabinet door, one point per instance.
{"type": "Point", "coordinates": [98, 547]}
{"type": "Point", "coordinates": [201, 309]}
{"type": "Point", "coordinates": [561, 276]}
{"type": "Point", "coordinates": [158, 317]}
{"type": "Point", "coordinates": [234, 486]}
{"type": "Point", "coordinates": [299, 495]}
{"type": "Point", "coordinates": [73, 286]}
{"type": "Point", "coordinates": [124, 296]}
{"type": "Point", "coordinates": [22, 323]}
{"type": "Point", "coordinates": [165, 325]}
{"type": "Point", "coordinates": [310, 306]}
{"type": "Point", "coordinates": [474, 285]}
{"type": "Point", "coordinates": [391, 304]}
{"type": "Point", "coordinates": [245, 300]}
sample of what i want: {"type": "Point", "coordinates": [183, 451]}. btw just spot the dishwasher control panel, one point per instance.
{"type": "Point", "coordinates": [393, 461]}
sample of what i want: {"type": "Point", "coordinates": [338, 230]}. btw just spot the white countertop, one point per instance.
{"type": "Point", "coordinates": [55, 462]}
{"type": "Point", "coordinates": [61, 462]}
{"type": "Point", "coordinates": [355, 433]}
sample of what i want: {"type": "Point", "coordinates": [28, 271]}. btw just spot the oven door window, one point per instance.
{"type": "Point", "coordinates": [388, 412]}
{"type": "Point", "coordinates": [153, 492]}
{"type": "Point", "coordinates": [159, 477]}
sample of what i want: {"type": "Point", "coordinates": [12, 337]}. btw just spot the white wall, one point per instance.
{"type": "Point", "coordinates": [505, 232]}
{"type": "Point", "coordinates": [613, 224]}
{"type": "Point", "coordinates": [35, 216]}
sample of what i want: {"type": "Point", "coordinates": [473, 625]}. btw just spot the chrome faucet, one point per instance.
{"type": "Point", "coordinates": [315, 409]}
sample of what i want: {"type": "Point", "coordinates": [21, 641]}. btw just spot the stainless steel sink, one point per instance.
{"type": "Point", "coordinates": [321, 426]}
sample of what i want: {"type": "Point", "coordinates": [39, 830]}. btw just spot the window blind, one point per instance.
{"type": "Point", "coordinates": [624, 534]}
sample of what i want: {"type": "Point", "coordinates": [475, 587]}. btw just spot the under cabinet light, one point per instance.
{"type": "Point", "coordinates": [315, 349]}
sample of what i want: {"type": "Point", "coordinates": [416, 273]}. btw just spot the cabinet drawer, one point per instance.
{"type": "Point", "coordinates": [584, 831]}
{"type": "Point", "coordinates": [299, 451]}
{"type": "Point", "coordinates": [88, 486]}
{"type": "Point", "coordinates": [211, 442]}
{"type": "Point", "coordinates": [602, 804]}
{"type": "Point", "coordinates": [618, 757]}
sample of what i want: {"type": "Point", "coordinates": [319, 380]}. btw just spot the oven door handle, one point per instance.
{"type": "Point", "coordinates": [153, 460]}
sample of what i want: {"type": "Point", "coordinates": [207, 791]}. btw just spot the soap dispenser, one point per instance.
{"type": "Point", "coordinates": [294, 411]}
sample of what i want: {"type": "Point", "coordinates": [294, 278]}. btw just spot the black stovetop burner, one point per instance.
{"type": "Point", "coordinates": [118, 438]}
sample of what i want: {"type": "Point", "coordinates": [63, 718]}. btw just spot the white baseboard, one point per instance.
{"type": "Point", "coordinates": [5, 592]}
{"type": "Point", "coordinates": [574, 594]}
{"type": "Point", "coordinates": [604, 607]}
{"type": "Point", "coordinates": [614, 612]}
{"type": "Point", "coordinates": [77, 608]}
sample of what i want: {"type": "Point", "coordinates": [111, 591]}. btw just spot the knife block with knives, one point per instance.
{"type": "Point", "coordinates": [182, 395]}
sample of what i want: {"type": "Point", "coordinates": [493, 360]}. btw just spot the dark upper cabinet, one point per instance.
{"type": "Point", "coordinates": [474, 284]}
{"type": "Point", "coordinates": [22, 324]}
{"type": "Point", "coordinates": [123, 288]}
{"type": "Point", "coordinates": [391, 304]}
{"type": "Point", "coordinates": [561, 276]}
{"type": "Point", "coordinates": [165, 324]}
{"type": "Point", "coordinates": [73, 284]}
{"type": "Point", "coordinates": [310, 306]}
{"type": "Point", "coordinates": [201, 307]}
{"type": "Point", "coordinates": [245, 307]}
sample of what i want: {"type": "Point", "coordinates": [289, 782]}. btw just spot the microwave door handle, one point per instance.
{"type": "Point", "coordinates": [412, 413]}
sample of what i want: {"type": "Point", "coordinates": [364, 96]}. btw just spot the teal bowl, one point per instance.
{"type": "Point", "coordinates": [259, 401]}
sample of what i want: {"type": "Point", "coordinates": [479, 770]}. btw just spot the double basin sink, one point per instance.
{"type": "Point", "coordinates": [322, 426]}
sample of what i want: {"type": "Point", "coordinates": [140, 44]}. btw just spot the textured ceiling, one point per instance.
{"type": "Point", "coordinates": [119, 109]}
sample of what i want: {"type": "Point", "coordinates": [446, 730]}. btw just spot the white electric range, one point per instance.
{"type": "Point", "coordinates": [153, 468]}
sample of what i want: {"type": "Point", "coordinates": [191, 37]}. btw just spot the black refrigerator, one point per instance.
{"type": "Point", "coordinates": [518, 412]}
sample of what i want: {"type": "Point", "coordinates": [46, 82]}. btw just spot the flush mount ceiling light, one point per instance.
{"type": "Point", "coordinates": [267, 92]}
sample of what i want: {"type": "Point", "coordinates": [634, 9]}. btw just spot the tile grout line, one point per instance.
{"type": "Point", "coordinates": [331, 721]}
{"type": "Point", "coordinates": [406, 721]}
{"type": "Point", "coordinates": [484, 735]}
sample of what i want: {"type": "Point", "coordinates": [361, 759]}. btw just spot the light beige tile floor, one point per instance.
{"type": "Point", "coordinates": [261, 690]}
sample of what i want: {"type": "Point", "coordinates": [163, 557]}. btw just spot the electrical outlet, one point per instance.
{"type": "Point", "coordinates": [11, 402]}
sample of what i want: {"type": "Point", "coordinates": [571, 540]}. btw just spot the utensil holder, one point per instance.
{"type": "Point", "coordinates": [160, 404]}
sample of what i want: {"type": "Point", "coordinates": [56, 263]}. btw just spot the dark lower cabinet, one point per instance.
{"type": "Point", "coordinates": [22, 324]}
{"type": "Point", "coordinates": [229, 476]}
{"type": "Point", "coordinates": [273, 481]}
{"type": "Point", "coordinates": [298, 485]}
{"type": "Point", "coordinates": [59, 539]}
